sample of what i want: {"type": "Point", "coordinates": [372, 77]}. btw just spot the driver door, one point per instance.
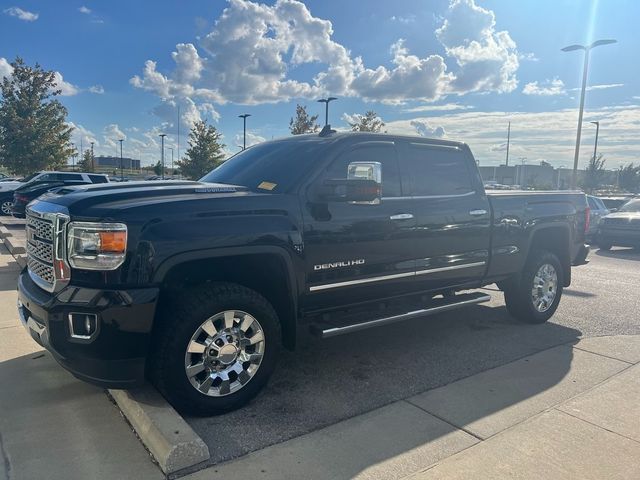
{"type": "Point", "coordinates": [357, 251]}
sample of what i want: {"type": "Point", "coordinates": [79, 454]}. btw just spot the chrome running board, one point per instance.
{"type": "Point", "coordinates": [441, 305]}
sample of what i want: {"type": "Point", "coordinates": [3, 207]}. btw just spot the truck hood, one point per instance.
{"type": "Point", "coordinates": [106, 198]}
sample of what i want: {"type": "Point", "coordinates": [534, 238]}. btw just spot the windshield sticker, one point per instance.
{"type": "Point", "coordinates": [215, 190]}
{"type": "Point", "coordinates": [267, 185]}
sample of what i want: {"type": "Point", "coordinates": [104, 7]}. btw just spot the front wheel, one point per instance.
{"type": "Point", "coordinates": [215, 349]}
{"type": "Point", "coordinates": [535, 297]}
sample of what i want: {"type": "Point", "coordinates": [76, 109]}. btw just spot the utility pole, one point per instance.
{"type": "Point", "coordinates": [73, 146]}
{"type": "Point", "coordinates": [326, 108]}
{"type": "Point", "coordinates": [162, 135]}
{"type": "Point", "coordinates": [178, 146]}
{"type": "Point", "coordinates": [508, 141]}
{"type": "Point", "coordinates": [170, 148]}
{"type": "Point", "coordinates": [595, 147]}
{"type": "Point", "coordinates": [244, 123]}
{"type": "Point", "coordinates": [121, 173]}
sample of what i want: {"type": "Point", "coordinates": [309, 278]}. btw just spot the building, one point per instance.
{"type": "Point", "coordinates": [540, 176]}
{"type": "Point", "coordinates": [109, 163]}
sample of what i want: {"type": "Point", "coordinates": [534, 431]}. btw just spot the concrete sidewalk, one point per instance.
{"type": "Point", "coordinates": [564, 413]}
{"type": "Point", "coordinates": [52, 425]}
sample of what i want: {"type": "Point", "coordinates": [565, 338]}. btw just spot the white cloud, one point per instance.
{"type": "Point", "coordinates": [438, 108]}
{"type": "Point", "coordinates": [82, 137]}
{"type": "Point", "coordinates": [253, 48]}
{"type": "Point", "coordinates": [111, 134]}
{"type": "Point", "coordinates": [85, 10]}
{"type": "Point", "coordinates": [423, 129]}
{"type": "Point", "coordinates": [405, 19]}
{"type": "Point", "coordinates": [66, 89]}
{"type": "Point", "coordinates": [549, 135]}
{"type": "Point", "coordinates": [252, 139]}
{"type": "Point", "coordinates": [21, 14]}
{"type": "Point", "coordinates": [487, 59]}
{"type": "Point", "coordinates": [98, 89]}
{"type": "Point", "coordinates": [5, 69]}
{"type": "Point", "coordinates": [547, 88]}
{"type": "Point", "coordinates": [598, 87]}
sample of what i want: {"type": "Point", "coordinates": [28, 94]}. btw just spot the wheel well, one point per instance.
{"type": "Point", "coordinates": [555, 240]}
{"type": "Point", "coordinates": [263, 273]}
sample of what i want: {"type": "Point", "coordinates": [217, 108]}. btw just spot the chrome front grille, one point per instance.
{"type": "Point", "coordinates": [45, 248]}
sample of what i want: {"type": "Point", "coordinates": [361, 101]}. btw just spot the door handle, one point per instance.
{"type": "Point", "coordinates": [477, 213]}
{"type": "Point", "coordinates": [401, 216]}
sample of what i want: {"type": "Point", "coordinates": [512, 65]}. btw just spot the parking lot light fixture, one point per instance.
{"type": "Point", "coordinates": [244, 125]}
{"type": "Point", "coordinates": [121, 174]}
{"type": "Point", "coordinates": [162, 135]}
{"type": "Point", "coordinates": [585, 70]}
{"type": "Point", "coordinates": [326, 108]}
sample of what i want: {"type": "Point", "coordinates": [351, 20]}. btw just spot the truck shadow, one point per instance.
{"type": "Point", "coordinates": [338, 378]}
{"type": "Point", "coordinates": [621, 253]}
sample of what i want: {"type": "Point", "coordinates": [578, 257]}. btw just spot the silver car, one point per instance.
{"type": "Point", "coordinates": [597, 211]}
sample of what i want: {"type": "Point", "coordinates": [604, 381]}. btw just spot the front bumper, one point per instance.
{"type": "Point", "coordinates": [115, 357]}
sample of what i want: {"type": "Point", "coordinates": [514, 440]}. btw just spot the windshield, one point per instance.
{"type": "Point", "coordinates": [268, 167]}
{"type": "Point", "coordinates": [29, 178]}
{"type": "Point", "coordinates": [632, 206]}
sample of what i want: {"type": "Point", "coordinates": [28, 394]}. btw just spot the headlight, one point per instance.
{"type": "Point", "coordinates": [97, 246]}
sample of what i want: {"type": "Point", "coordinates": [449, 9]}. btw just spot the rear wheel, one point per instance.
{"type": "Point", "coordinates": [215, 349]}
{"type": "Point", "coordinates": [535, 297]}
{"type": "Point", "coordinates": [5, 207]}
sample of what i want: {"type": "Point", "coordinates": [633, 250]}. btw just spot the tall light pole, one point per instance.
{"type": "Point", "coordinates": [121, 172]}
{"type": "Point", "coordinates": [170, 148]}
{"type": "Point", "coordinates": [595, 147]}
{"type": "Point", "coordinates": [244, 125]}
{"type": "Point", "coordinates": [73, 146]}
{"type": "Point", "coordinates": [508, 141]}
{"type": "Point", "coordinates": [93, 159]}
{"type": "Point", "coordinates": [587, 49]}
{"type": "Point", "coordinates": [326, 108]}
{"type": "Point", "coordinates": [162, 135]}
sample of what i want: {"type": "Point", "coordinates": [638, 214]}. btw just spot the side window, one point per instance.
{"type": "Point", "coordinates": [383, 152]}
{"type": "Point", "coordinates": [436, 170]}
{"type": "Point", "coordinates": [65, 177]}
{"type": "Point", "coordinates": [47, 177]}
{"type": "Point", "coordinates": [98, 179]}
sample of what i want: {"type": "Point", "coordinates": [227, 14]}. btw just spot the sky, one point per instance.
{"type": "Point", "coordinates": [455, 69]}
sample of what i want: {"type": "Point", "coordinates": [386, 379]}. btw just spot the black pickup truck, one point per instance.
{"type": "Point", "coordinates": [197, 285]}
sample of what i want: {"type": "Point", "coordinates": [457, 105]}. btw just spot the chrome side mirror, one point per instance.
{"type": "Point", "coordinates": [369, 192]}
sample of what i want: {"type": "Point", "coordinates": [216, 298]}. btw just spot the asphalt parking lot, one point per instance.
{"type": "Point", "coordinates": [346, 376]}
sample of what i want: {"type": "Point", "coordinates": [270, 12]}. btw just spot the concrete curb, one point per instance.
{"type": "Point", "coordinates": [161, 429]}
{"type": "Point", "coordinates": [15, 246]}
{"type": "Point", "coordinates": [5, 232]}
{"type": "Point", "coordinates": [21, 260]}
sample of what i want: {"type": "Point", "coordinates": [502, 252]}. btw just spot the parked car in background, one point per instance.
{"type": "Point", "coordinates": [621, 228]}
{"type": "Point", "coordinates": [597, 210]}
{"type": "Point", "coordinates": [614, 202]}
{"type": "Point", "coordinates": [8, 188]}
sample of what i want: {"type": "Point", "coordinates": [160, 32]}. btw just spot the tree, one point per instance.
{"type": "Point", "coordinates": [629, 178]}
{"type": "Point", "coordinates": [303, 123]}
{"type": "Point", "coordinates": [87, 163]}
{"type": "Point", "coordinates": [34, 134]}
{"type": "Point", "coordinates": [205, 151]}
{"type": "Point", "coordinates": [157, 168]}
{"type": "Point", "coordinates": [594, 174]}
{"type": "Point", "coordinates": [369, 122]}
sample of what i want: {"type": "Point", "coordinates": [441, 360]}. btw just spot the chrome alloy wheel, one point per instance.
{"type": "Point", "coordinates": [545, 287]}
{"type": "Point", "coordinates": [6, 207]}
{"type": "Point", "coordinates": [224, 353]}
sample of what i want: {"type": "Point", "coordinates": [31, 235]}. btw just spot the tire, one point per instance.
{"type": "Point", "coordinates": [519, 297]}
{"type": "Point", "coordinates": [180, 323]}
{"type": "Point", "coordinates": [5, 207]}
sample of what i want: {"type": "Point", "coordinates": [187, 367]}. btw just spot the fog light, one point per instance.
{"type": "Point", "coordinates": [83, 326]}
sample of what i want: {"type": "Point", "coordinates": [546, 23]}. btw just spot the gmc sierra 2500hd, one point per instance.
{"type": "Point", "coordinates": [196, 285]}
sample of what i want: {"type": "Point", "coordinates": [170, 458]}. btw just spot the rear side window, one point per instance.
{"type": "Point", "coordinates": [98, 179]}
{"type": "Point", "coordinates": [436, 170]}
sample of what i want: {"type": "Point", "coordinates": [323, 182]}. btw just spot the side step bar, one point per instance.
{"type": "Point", "coordinates": [442, 305]}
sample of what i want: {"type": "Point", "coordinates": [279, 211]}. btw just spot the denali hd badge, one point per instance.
{"type": "Point", "coordinates": [347, 263]}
